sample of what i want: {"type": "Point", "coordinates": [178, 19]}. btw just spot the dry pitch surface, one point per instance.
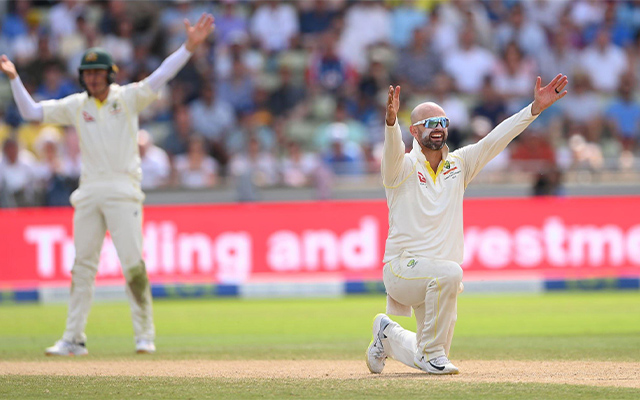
{"type": "Point", "coordinates": [592, 373]}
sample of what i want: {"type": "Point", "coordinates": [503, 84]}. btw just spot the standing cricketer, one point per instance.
{"type": "Point", "coordinates": [424, 249]}
{"type": "Point", "coordinates": [109, 195]}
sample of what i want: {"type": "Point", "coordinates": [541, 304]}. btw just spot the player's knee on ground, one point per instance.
{"type": "Point", "coordinates": [138, 281]}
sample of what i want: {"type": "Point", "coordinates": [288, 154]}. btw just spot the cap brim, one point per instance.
{"type": "Point", "coordinates": [94, 66]}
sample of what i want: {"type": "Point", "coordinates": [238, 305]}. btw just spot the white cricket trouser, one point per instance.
{"type": "Point", "coordinates": [430, 287]}
{"type": "Point", "coordinates": [115, 205]}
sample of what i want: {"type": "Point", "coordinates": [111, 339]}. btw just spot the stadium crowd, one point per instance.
{"type": "Point", "coordinates": [291, 93]}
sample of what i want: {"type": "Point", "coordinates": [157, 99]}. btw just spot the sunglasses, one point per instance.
{"type": "Point", "coordinates": [431, 123]}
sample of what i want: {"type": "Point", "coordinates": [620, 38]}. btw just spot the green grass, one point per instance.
{"type": "Point", "coordinates": [570, 326]}
{"type": "Point", "coordinates": [87, 388]}
{"type": "Point", "coordinates": [595, 326]}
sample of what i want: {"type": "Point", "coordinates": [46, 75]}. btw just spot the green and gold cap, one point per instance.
{"type": "Point", "coordinates": [97, 58]}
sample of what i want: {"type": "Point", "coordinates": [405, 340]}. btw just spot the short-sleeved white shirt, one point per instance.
{"type": "Point", "coordinates": [107, 131]}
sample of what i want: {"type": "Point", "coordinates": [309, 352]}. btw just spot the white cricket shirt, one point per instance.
{"type": "Point", "coordinates": [425, 206]}
{"type": "Point", "coordinates": [107, 131]}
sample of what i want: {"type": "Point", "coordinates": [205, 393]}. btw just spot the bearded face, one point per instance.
{"type": "Point", "coordinates": [434, 139]}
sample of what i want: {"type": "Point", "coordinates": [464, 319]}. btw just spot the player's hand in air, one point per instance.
{"type": "Point", "coordinates": [7, 67]}
{"type": "Point", "coordinates": [197, 33]}
{"type": "Point", "coordinates": [546, 96]}
{"type": "Point", "coordinates": [393, 105]}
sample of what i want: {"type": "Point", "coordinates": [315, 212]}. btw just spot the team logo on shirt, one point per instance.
{"type": "Point", "coordinates": [451, 173]}
{"type": "Point", "coordinates": [87, 117]}
{"type": "Point", "coordinates": [447, 165]}
{"type": "Point", "coordinates": [421, 178]}
{"type": "Point", "coordinates": [412, 263]}
{"type": "Point", "coordinates": [115, 108]}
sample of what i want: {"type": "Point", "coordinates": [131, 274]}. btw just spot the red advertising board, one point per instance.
{"type": "Point", "coordinates": [237, 243]}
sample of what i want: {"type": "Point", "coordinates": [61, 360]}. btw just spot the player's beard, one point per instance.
{"type": "Point", "coordinates": [433, 145]}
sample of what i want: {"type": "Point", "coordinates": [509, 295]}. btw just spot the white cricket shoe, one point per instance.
{"type": "Point", "coordinates": [376, 355]}
{"type": "Point", "coordinates": [437, 366]}
{"type": "Point", "coordinates": [64, 348]}
{"type": "Point", "coordinates": [145, 347]}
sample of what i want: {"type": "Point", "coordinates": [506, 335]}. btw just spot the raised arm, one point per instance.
{"type": "Point", "coordinates": [477, 155]}
{"type": "Point", "coordinates": [196, 34]}
{"type": "Point", "coordinates": [393, 150]}
{"type": "Point", "coordinates": [29, 109]}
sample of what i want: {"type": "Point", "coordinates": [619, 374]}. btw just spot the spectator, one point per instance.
{"type": "Point", "coordinates": [365, 23]}
{"type": "Point", "coordinates": [470, 64]}
{"type": "Point", "coordinates": [17, 177]}
{"type": "Point", "coordinates": [513, 76]}
{"type": "Point", "coordinates": [532, 152]}
{"type": "Point", "coordinates": [579, 153]}
{"type": "Point", "coordinates": [71, 155]}
{"type": "Point", "coordinates": [25, 45]}
{"type": "Point", "coordinates": [62, 17]}
{"type": "Point", "coordinates": [274, 24]}
{"type": "Point", "coordinates": [549, 183]}
{"type": "Point", "coordinates": [34, 69]}
{"type": "Point", "coordinates": [50, 171]}
{"type": "Point", "coordinates": [120, 44]}
{"type": "Point", "coordinates": [418, 64]}
{"type": "Point", "coordinates": [621, 35]}
{"type": "Point", "coordinates": [560, 57]}
{"type": "Point", "coordinates": [443, 35]}
{"type": "Point", "coordinates": [255, 164]}
{"type": "Point", "coordinates": [587, 12]}
{"type": "Point", "coordinates": [491, 104]}
{"type": "Point", "coordinates": [405, 20]}
{"type": "Point", "coordinates": [287, 96]}
{"type": "Point", "coordinates": [116, 11]}
{"type": "Point", "coordinates": [14, 24]}
{"type": "Point", "coordinates": [55, 85]}
{"type": "Point", "coordinates": [583, 107]}
{"type": "Point", "coordinates": [604, 62]}
{"type": "Point", "coordinates": [326, 69]}
{"type": "Point", "coordinates": [177, 142]}
{"type": "Point", "coordinates": [230, 23]}
{"type": "Point", "coordinates": [342, 127]}
{"type": "Point", "coordinates": [196, 169]}
{"type": "Point", "coordinates": [238, 49]}
{"type": "Point", "coordinates": [461, 14]}
{"type": "Point", "coordinates": [317, 18]}
{"type": "Point", "coordinates": [343, 157]}
{"type": "Point", "coordinates": [545, 13]}
{"type": "Point", "coordinates": [238, 90]}
{"type": "Point", "coordinates": [154, 162]}
{"type": "Point", "coordinates": [623, 115]}
{"type": "Point", "coordinates": [211, 116]}
{"type": "Point", "coordinates": [171, 21]}
{"type": "Point", "coordinates": [251, 125]}
{"type": "Point", "coordinates": [480, 127]}
{"type": "Point", "coordinates": [298, 167]}
{"type": "Point", "coordinates": [5, 44]}
{"type": "Point", "coordinates": [526, 33]}
{"type": "Point", "coordinates": [70, 45]}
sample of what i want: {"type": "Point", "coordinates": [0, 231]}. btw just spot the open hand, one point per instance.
{"type": "Point", "coordinates": [7, 67]}
{"type": "Point", "coordinates": [546, 96]}
{"type": "Point", "coordinates": [393, 105]}
{"type": "Point", "coordinates": [197, 33]}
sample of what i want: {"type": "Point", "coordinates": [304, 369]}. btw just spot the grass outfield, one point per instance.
{"type": "Point", "coordinates": [592, 326]}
